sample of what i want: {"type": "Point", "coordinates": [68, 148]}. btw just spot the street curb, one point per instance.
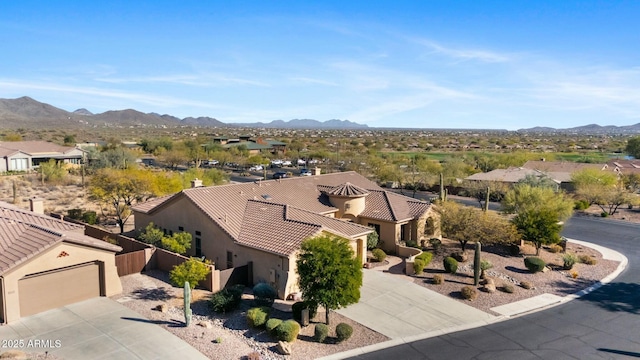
{"type": "Point", "coordinates": [606, 254]}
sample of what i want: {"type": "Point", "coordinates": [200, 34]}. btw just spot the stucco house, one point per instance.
{"type": "Point", "coordinates": [27, 155]}
{"type": "Point", "coordinates": [265, 222]}
{"type": "Point", "coordinates": [46, 263]}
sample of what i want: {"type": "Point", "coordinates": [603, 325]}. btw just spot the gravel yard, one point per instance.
{"type": "Point", "coordinates": [511, 270]}
{"type": "Point", "coordinates": [229, 336]}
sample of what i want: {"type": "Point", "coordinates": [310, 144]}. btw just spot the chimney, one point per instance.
{"type": "Point", "coordinates": [316, 171]}
{"type": "Point", "coordinates": [36, 205]}
{"type": "Point", "coordinates": [196, 183]}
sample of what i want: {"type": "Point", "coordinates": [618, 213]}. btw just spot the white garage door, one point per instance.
{"type": "Point", "coordinates": [56, 288]}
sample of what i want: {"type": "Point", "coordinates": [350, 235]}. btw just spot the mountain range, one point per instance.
{"type": "Point", "coordinates": [27, 112]}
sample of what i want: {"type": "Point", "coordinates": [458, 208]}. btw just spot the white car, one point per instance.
{"type": "Point", "coordinates": [256, 168]}
{"type": "Point", "coordinates": [301, 162]}
{"type": "Point", "coordinates": [286, 163]}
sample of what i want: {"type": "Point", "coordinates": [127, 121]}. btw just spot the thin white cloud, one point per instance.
{"type": "Point", "coordinates": [464, 54]}
{"type": "Point", "coordinates": [204, 80]}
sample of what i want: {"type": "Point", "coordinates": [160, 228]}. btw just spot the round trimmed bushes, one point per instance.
{"type": "Point", "coordinates": [379, 255]}
{"type": "Point", "coordinates": [257, 316]}
{"type": "Point", "coordinates": [534, 264]}
{"type": "Point", "coordinates": [438, 279]}
{"type": "Point", "coordinates": [288, 330]}
{"type": "Point", "coordinates": [343, 331]}
{"type": "Point", "coordinates": [418, 266]}
{"type": "Point", "coordinates": [272, 324]}
{"type": "Point", "coordinates": [264, 294]}
{"type": "Point", "coordinates": [469, 292]}
{"type": "Point", "coordinates": [426, 257]}
{"type": "Point", "coordinates": [297, 308]}
{"type": "Point", "coordinates": [320, 332]}
{"type": "Point", "coordinates": [450, 265]}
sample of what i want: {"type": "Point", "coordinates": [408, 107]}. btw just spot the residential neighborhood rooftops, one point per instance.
{"type": "Point", "coordinates": [35, 147]}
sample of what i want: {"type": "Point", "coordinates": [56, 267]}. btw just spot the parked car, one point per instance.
{"type": "Point", "coordinates": [301, 162]}
{"type": "Point", "coordinates": [256, 168]}
{"type": "Point", "coordinates": [280, 175]}
{"type": "Point", "coordinates": [305, 172]}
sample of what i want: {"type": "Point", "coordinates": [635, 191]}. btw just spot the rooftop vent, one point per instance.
{"type": "Point", "coordinates": [266, 196]}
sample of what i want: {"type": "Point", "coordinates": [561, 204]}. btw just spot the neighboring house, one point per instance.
{"type": "Point", "coordinates": [27, 155]}
{"type": "Point", "coordinates": [624, 167]}
{"type": "Point", "coordinates": [254, 146]}
{"type": "Point", "coordinates": [46, 263]}
{"type": "Point", "coordinates": [508, 176]}
{"type": "Point", "coordinates": [562, 170]}
{"type": "Point", "coordinates": [265, 222]}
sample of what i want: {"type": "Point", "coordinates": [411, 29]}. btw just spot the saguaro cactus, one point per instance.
{"type": "Point", "coordinates": [187, 303]}
{"type": "Point", "coordinates": [442, 195]}
{"type": "Point", "coordinates": [476, 264]}
{"type": "Point", "coordinates": [486, 200]}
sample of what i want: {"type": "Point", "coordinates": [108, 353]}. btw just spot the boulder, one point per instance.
{"type": "Point", "coordinates": [14, 355]}
{"type": "Point", "coordinates": [284, 348]}
{"type": "Point", "coordinates": [490, 288]}
{"type": "Point", "coordinates": [205, 324]}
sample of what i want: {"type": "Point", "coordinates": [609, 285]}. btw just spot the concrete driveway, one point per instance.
{"type": "Point", "coordinates": [396, 307]}
{"type": "Point", "coordinates": [99, 328]}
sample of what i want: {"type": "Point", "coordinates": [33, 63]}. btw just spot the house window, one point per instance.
{"type": "Point", "coordinates": [19, 164]}
{"type": "Point", "coordinates": [376, 227]}
{"type": "Point", "coordinates": [198, 247]}
{"type": "Point", "coordinates": [229, 259]}
{"type": "Point", "coordinates": [180, 228]}
{"type": "Point", "coordinates": [198, 233]}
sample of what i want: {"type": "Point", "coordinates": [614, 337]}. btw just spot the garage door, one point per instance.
{"type": "Point", "coordinates": [56, 288]}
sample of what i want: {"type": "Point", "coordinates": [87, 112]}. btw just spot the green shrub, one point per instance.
{"type": "Point", "coordinates": [508, 288]}
{"type": "Point", "coordinates": [426, 257]}
{"type": "Point", "coordinates": [320, 333]}
{"type": "Point", "coordinates": [343, 332]}
{"type": "Point", "coordinates": [288, 330]}
{"type": "Point", "coordinates": [227, 299]}
{"type": "Point", "coordinates": [514, 250]}
{"type": "Point", "coordinates": [272, 324]}
{"type": "Point", "coordinates": [438, 279]}
{"type": "Point", "coordinates": [435, 243]}
{"type": "Point", "coordinates": [75, 213]}
{"type": "Point", "coordinates": [568, 260]}
{"type": "Point", "coordinates": [297, 308]}
{"type": "Point", "coordinates": [450, 265]}
{"type": "Point", "coordinates": [587, 260]}
{"type": "Point", "coordinates": [604, 214]}
{"type": "Point", "coordinates": [193, 270]}
{"type": "Point", "coordinates": [379, 254]}
{"type": "Point", "coordinates": [469, 292]}
{"type": "Point", "coordinates": [534, 264]}
{"type": "Point", "coordinates": [555, 248]}
{"type": "Point", "coordinates": [372, 240]}
{"type": "Point", "coordinates": [581, 205]}
{"type": "Point", "coordinates": [257, 316]}
{"type": "Point", "coordinates": [418, 266]}
{"type": "Point", "coordinates": [264, 294]}
{"type": "Point", "coordinates": [90, 217]}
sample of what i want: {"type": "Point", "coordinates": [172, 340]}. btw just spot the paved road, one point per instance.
{"type": "Point", "coordinates": [604, 324]}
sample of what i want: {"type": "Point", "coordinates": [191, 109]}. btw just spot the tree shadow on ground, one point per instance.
{"type": "Point", "coordinates": [572, 286]}
{"type": "Point", "coordinates": [624, 297]}
{"type": "Point", "coordinates": [160, 294]}
{"type": "Point", "coordinates": [517, 270]}
{"type": "Point", "coordinates": [621, 352]}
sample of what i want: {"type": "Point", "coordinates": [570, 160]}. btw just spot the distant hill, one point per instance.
{"type": "Point", "coordinates": [83, 111]}
{"type": "Point", "coordinates": [306, 124]}
{"type": "Point", "coordinates": [587, 129]}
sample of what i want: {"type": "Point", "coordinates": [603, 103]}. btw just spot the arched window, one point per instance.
{"type": "Point", "coordinates": [429, 227]}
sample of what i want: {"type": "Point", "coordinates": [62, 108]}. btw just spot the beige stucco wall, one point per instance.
{"type": "Point", "coordinates": [389, 233]}
{"type": "Point", "coordinates": [420, 226]}
{"type": "Point", "coordinates": [348, 205]}
{"type": "Point", "coordinates": [49, 260]}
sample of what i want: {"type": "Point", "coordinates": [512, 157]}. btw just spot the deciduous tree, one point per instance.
{"type": "Point", "coordinates": [329, 274]}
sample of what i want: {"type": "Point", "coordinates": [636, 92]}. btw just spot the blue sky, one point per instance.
{"type": "Point", "coordinates": [414, 64]}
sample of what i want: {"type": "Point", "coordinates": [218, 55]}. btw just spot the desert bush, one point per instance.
{"type": "Point", "coordinates": [320, 333]}
{"type": "Point", "coordinates": [227, 299]}
{"type": "Point", "coordinates": [604, 214]}
{"type": "Point", "coordinates": [90, 217]}
{"type": "Point", "coordinates": [581, 205]}
{"type": "Point", "coordinates": [343, 332]}
{"type": "Point", "coordinates": [372, 240]}
{"type": "Point", "coordinates": [272, 324]}
{"type": "Point", "coordinates": [555, 248]}
{"type": "Point", "coordinates": [587, 260]}
{"type": "Point", "coordinates": [469, 292]}
{"type": "Point", "coordinates": [459, 256]}
{"type": "Point", "coordinates": [288, 330]}
{"type": "Point", "coordinates": [264, 294]}
{"type": "Point", "coordinates": [435, 243]}
{"type": "Point", "coordinates": [526, 285]}
{"type": "Point", "coordinates": [74, 213]}
{"type": "Point", "coordinates": [426, 257]}
{"type": "Point", "coordinates": [508, 288]}
{"type": "Point", "coordinates": [379, 255]}
{"type": "Point", "coordinates": [450, 265]}
{"type": "Point", "coordinates": [568, 260]}
{"type": "Point", "coordinates": [297, 308]}
{"type": "Point", "coordinates": [534, 264]}
{"type": "Point", "coordinates": [418, 266]}
{"type": "Point", "coordinates": [193, 270]}
{"type": "Point", "coordinates": [514, 250]}
{"type": "Point", "coordinates": [438, 279]}
{"type": "Point", "coordinates": [257, 316]}
{"type": "Point", "coordinates": [254, 356]}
